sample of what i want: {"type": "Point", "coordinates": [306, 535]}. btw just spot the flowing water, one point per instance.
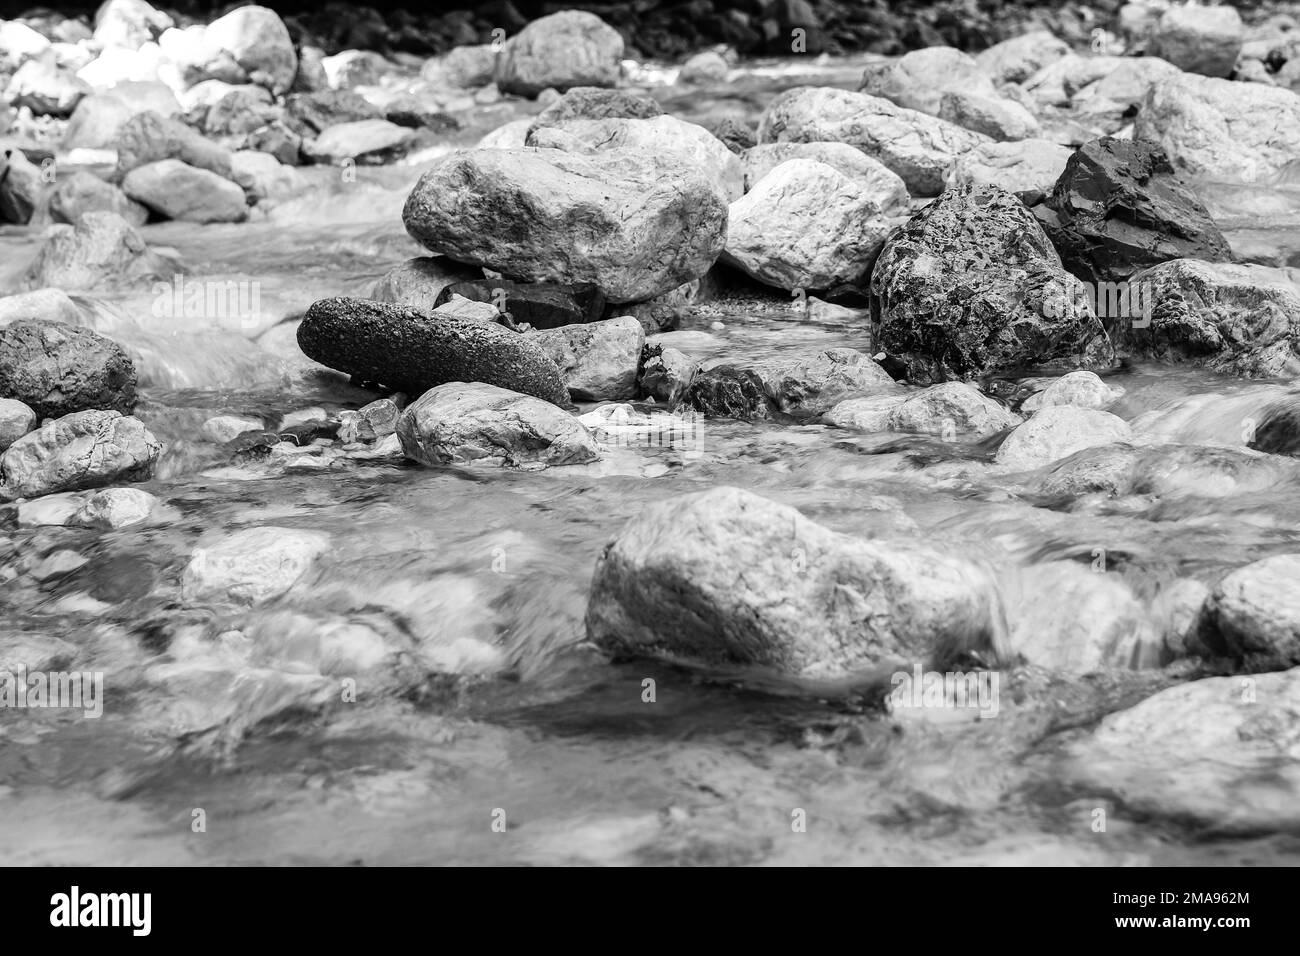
{"type": "Point", "coordinates": [484, 574]}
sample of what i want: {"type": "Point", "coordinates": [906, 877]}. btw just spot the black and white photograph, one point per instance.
{"type": "Point", "coordinates": [651, 433]}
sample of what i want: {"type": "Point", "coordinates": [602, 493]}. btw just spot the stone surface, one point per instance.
{"type": "Point", "coordinates": [16, 420]}
{"type": "Point", "coordinates": [949, 410]}
{"type": "Point", "coordinates": [414, 351]}
{"type": "Point", "coordinates": [1081, 389]}
{"type": "Point", "coordinates": [82, 450]}
{"type": "Point", "coordinates": [102, 250]}
{"type": "Point", "coordinates": [148, 137]}
{"type": "Point", "coordinates": [82, 192]}
{"type": "Point", "coordinates": [1057, 432]}
{"type": "Point", "coordinates": [1029, 168]}
{"type": "Point", "coordinates": [635, 225]}
{"type": "Point", "coordinates": [560, 51]}
{"type": "Point", "coordinates": [596, 103]}
{"type": "Point", "coordinates": [113, 508]}
{"type": "Point", "coordinates": [666, 374]}
{"type": "Point", "coordinates": [960, 291]}
{"type": "Point", "coordinates": [876, 181]}
{"type": "Point", "coordinates": [727, 578]}
{"type": "Point", "coordinates": [996, 117]}
{"type": "Point", "coordinates": [464, 422]}
{"type": "Point", "coordinates": [58, 369]}
{"type": "Point", "coordinates": [797, 388]}
{"type": "Point", "coordinates": [540, 305]}
{"type": "Point", "coordinates": [598, 360]}
{"type": "Point", "coordinates": [373, 141]}
{"type": "Point", "coordinates": [259, 42]}
{"type": "Point", "coordinates": [918, 80]}
{"type": "Point", "coordinates": [417, 283]}
{"type": "Point", "coordinates": [176, 190]}
{"type": "Point", "coordinates": [1256, 609]}
{"type": "Point", "coordinates": [1198, 39]}
{"type": "Point", "coordinates": [1017, 59]}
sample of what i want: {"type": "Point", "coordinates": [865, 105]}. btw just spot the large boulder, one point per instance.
{"type": "Point", "coordinates": [1119, 207]}
{"type": "Point", "coordinates": [918, 80]}
{"type": "Point", "coordinates": [463, 422]}
{"type": "Point", "coordinates": [101, 250]}
{"type": "Point", "coordinates": [560, 51]}
{"type": "Point", "coordinates": [87, 449]}
{"type": "Point", "coordinates": [1240, 319]}
{"type": "Point", "coordinates": [663, 135]}
{"type": "Point", "coordinates": [1222, 130]}
{"type": "Point", "coordinates": [83, 192]}
{"type": "Point", "coordinates": [176, 190]}
{"type": "Point", "coordinates": [873, 178]}
{"type": "Point", "coordinates": [804, 225]}
{"type": "Point", "coordinates": [599, 360]}
{"type": "Point", "coordinates": [413, 351]}
{"type": "Point", "coordinates": [58, 369]}
{"type": "Point", "coordinates": [1198, 39]}
{"type": "Point", "coordinates": [727, 578]}
{"type": "Point", "coordinates": [259, 42]}
{"type": "Point", "coordinates": [916, 146]}
{"type": "Point", "coordinates": [965, 288]}
{"type": "Point", "coordinates": [148, 137]}
{"type": "Point", "coordinates": [1029, 168]}
{"type": "Point", "coordinates": [635, 224]}
{"type": "Point", "coordinates": [1256, 609]}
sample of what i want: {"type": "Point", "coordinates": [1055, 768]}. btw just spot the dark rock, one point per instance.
{"type": "Point", "coordinates": [20, 187]}
{"type": "Point", "coordinates": [250, 446]}
{"type": "Point", "coordinates": [735, 134]}
{"type": "Point", "coordinates": [541, 305]}
{"type": "Point", "coordinates": [971, 286]}
{"type": "Point", "coordinates": [313, 113]}
{"type": "Point", "coordinates": [304, 433]}
{"type": "Point", "coordinates": [417, 116]}
{"type": "Point", "coordinates": [413, 351]}
{"type": "Point", "coordinates": [729, 391]}
{"type": "Point", "coordinates": [1279, 432]}
{"type": "Point", "coordinates": [1119, 207]}
{"type": "Point", "coordinates": [58, 369]}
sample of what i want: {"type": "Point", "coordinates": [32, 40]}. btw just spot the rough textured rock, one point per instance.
{"type": "Point", "coordinates": [1017, 59]}
{"type": "Point", "coordinates": [694, 146]}
{"type": "Point", "coordinates": [1218, 751]}
{"type": "Point", "coordinates": [727, 578]}
{"type": "Point", "coordinates": [83, 450]}
{"type": "Point", "coordinates": [540, 305]}
{"type": "Point", "coordinates": [58, 369]}
{"type": "Point", "coordinates": [413, 351]}
{"type": "Point", "coordinates": [102, 250]}
{"type": "Point", "coordinates": [918, 80]}
{"type": "Point", "coordinates": [796, 388]}
{"type": "Point", "coordinates": [260, 43]}
{"type": "Point", "coordinates": [1080, 389]}
{"type": "Point", "coordinates": [1119, 207]}
{"type": "Point", "coordinates": [373, 141]}
{"type": "Point", "coordinates": [596, 103]}
{"type": "Point", "coordinates": [1198, 39]}
{"type": "Point", "coordinates": [417, 283]}
{"type": "Point", "coordinates": [83, 192]}
{"type": "Point", "coordinates": [1256, 609]}
{"type": "Point", "coordinates": [960, 291]}
{"type": "Point", "coordinates": [949, 410]}
{"type": "Point", "coordinates": [16, 420]}
{"type": "Point", "coordinates": [916, 146]}
{"type": "Point", "coordinates": [176, 190]}
{"type": "Point", "coordinates": [252, 565]}
{"type": "Point", "coordinates": [1240, 319]}
{"type": "Point", "coordinates": [666, 374]}
{"type": "Point", "coordinates": [995, 116]}
{"type": "Point", "coordinates": [875, 180]}
{"type": "Point", "coordinates": [635, 225]}
{"type": "Point", "coordinates": [1225, 131]}
{"type": "Point", "coordinates": [148, 137]}
{"type": "Point", "coordinates": [598, 360]}
{"type": "Point", "coordinates": [1057, 432]}
{"type": "Point", "coordinates": [804, 225]}
{"type": "Point", "coordinates": [463, 422]}
{"type": "Point", "coordinates": [560, 51]}
{"type": "Point", "coordinates": [1029, 168]}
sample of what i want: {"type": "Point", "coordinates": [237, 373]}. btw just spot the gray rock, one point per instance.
{"type": "Point", "coordinates": [83, 450]}
{"type": "Point", "coordinates": [45, 88]}
{"type": "Point", "coordinates": [176, 190]}
{"type": "Point", "coordinates": [871, 413]}
{"type": "Point", "coordinates": [960, 291]}
{"type": "Point", "coordinates": [259, 42]}
{"type": "Point", "coordinates": [147, 138]}
{"type": "Point", "coordinates": [706, 67]}
{"type": "Point", "coordinates": [414, 351]}
{"type": "Point", "coordinates": [1029, 168]}
{"type": "Point", "coordinates": [918, 80]}
{"type": "Point", "coordinates": [950, 409]}
{"type": "Point", "coordinates": [240, 111]}
{"type": "Point", "coordinates": [800, 389]}
{"type": "Point", "coordinates": [129, 23]}
{"type": "Point", "coordinates": [916, 146]}
{"type": "Point", "coordinates": [21, 186]}
{"type": "Point", "coordinates": [112, 508]}
{"type": "Point", "coordinates": [1198, 39]}
{"type": "Point", "coordinates": [996, 117]}
{"type": "Point", "coordinates": [83, 192]}
{"type": "Point", "coordinates": [598, 360]}
{"type": "Point", "coordinates": [560, 51]}
{"type": "Point", "coordinates": [417, 282]}
{"type": "Point", "coordinates": [252, 565]}
{"type": "Point", "coordinates": [463, 422]}
{"type": "Point", "coordinates": [595, 103]}
{"type": "Point", "coordinates": [99, 118]}
{"type": "Point", "coordinates": [467, 67]}
{"type": "Point", "coordinates": [1017, 59]}
{"type": "Point", "coordinates": [876, 181]}
{"type": "Point", "coordinates": [727, 578]}
{"type": "Point", "coordinates": [370, 142]}
{"type": "Point", "coordinates": [1057, 432]}
{"type": "Point", "coordinates": [102, 250]}
{"type": "Point", "coordinates": [49, 305]}
{"type": "Point", "coordinates": [1256, 609]}
{"type": "Point", "coordinates": [16, 420]}
{"type": "Point", "coordinates": [313, 113]}
{"type": "Point", "coordinates": [262, 176]}
{"type": "Point", "coordinates": [666, 374]}
{"type": "Point", "coordinates": [635, 225]}
{"type": "Point", "coordinates": [1080, 389]}
{"type": "Point", "coordinates": [58, 369]}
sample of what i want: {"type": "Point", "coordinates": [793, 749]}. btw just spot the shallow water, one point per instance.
{"type": "Point", "coordinates": [485, 573]}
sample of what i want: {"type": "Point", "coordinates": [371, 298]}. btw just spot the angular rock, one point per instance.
{"type": "Point", "coordinates": [83, 192]}
{"type": "Point", "coordinates": [1119, 207]}
{"type": "Point", "coordinates": [1029, 168]}
{"type": "Point", "coordinates": [102, 250]}
{"type": "Point", "coordinates": [916, 146]}
{"type": "Point", "coordinates": [59, 369]}
{"type": "Point", "coordinates": [726, 578]}
{"type": "Point", "coordinates": [960, 292]}
{"type": "Point", "coordinates": [414, 351]}
{"type": "Point", "coordinates": [635, 225]}
{"type": "Point", "coordinates": [83, 450]}
{"type": "Point", "coordinates": [176, 190]}
{"type": "Point", "coordinates": [799, 389]}
{"type": "Point", "coordinates": [598, 360]}
{"type": "Point", "coordinates": [1057, 432]}
{"type": "Point", "coordinates": [252, 565]}
{"type": "Point", "coordinates": [806, 226]}
{"type": "Point", "coordinates": [129, 23]}
{"type": "Point", "coordinates": [918, 80]}
{"type": "Point", "coordinates": [560, 51]}
{"type": "Point", "coordinates": [317, 112]}
{"type": "Point", "coordinates": [463, 422]}
{"type": "Point", "coordinates": [1221, 130]}
{"type": "Point", "coordinates": [875, 180]}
